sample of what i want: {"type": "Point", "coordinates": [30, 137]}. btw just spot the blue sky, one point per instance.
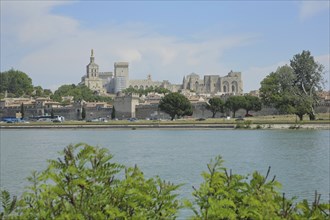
{"type": "Point", "coordinates": [51, 40]}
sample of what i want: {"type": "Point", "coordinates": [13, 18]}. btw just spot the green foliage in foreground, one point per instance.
{"type": "Point", "coordinates": [84, 184]}
{"type": "Point", "coordinates": [224, 195]}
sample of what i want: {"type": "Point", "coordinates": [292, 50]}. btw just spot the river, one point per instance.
{"type": "Point", "coordinates": [299, 158]}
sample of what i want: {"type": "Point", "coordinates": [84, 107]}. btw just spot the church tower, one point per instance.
{"type": "Point", "coordinates": [92, 79]}
{"type": "Point", "coordinates": [92, 67]}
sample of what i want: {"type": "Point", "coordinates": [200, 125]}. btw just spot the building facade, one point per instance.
{"type": "Point", "coordinates": [107, 82]}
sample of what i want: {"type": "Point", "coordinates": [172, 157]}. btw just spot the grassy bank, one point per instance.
{"type": "Point", "coordinates": [262, 121]}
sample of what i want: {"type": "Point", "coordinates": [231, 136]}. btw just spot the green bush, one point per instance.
{"type": "Point", "coordinates": [85, 184]}
{"type": "Point", "coordinates": [224, 195]}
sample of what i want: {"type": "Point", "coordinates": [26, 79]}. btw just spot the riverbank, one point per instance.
{"type": "Point", "coordinates": [310, 126]}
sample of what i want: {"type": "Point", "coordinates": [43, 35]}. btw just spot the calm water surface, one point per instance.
{"type": "Point", "coordinates": [300, 159]}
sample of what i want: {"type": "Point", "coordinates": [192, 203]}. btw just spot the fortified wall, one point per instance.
{"type": "Point", "coordinates": [141, 111]}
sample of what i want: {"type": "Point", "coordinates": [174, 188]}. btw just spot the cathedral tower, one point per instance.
{"type": "Point", "coordinates": [92, 67]}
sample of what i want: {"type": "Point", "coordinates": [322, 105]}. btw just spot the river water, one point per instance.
{"type": "Point", "coordinates": [299, 158]}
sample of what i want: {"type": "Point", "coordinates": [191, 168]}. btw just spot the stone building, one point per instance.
{"type": "Point", "coordinates": [121, 78]}
{"type": "Point", "coordinates": [92, 78]}
{"type": "Point", "coordinates": [107, 82]}
{"type": "Point", "coordinates": [125, 105]}
{"type": "Point", "coordinates": [214, 84]}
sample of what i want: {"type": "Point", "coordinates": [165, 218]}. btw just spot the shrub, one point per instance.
{"type": "Point", "coordinates": [84, 185]}
{"type": "Point", "coordinates": [224, 195]}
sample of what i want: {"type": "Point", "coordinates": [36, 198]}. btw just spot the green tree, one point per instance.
{"type": "Point", "coordinates": [47, 92]}
{"type": "Point", "coordinates": [80, 92]}
{"type": "Point", "coordinates": [85, 184]}
{"type": "Point", "coordinates": [113, 113]}
{"type": "Point", "coordinates": [252, 103]}
{"type": "Point", "coordinates": [38, 91]}
{"type": "Point", "coordinates": [141, 92]}
{"type": "Point", "coordinates": [215, 105]}
{"type": "Point", "coordinates": [22, 110]}
{"type": "Point", "coordinates": [15, 82]}
{"type": "Point", "coordinates": [308, 79]}
{"type": "Point", "coordinates": [83, 113]}
{"type": "Point", "coordinates": [52, 113]}
{"type": "Point", "coordinates": [161, 90]}
{"type": "Point", "coordinates": [276, 89]}
{"type": "Point", "coordinates": [293, 89]}
{"type": "Point", "coordinates": [234, 103]}
{"type": "Point", "coordinates": [175, 104]}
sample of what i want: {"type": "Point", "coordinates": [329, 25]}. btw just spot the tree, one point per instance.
{"type": "Point", "coordinates": [86, 184]}
{"type": "Point", "coordinates": [38, 91]}
{"type": "Point", "coordinates": [215, 105]}
{"type": "Point", "coordinates": [252, 103]}
{"type": "Point", "coordinates": [308, 79]}
{"type": "Point", "coordinates": [22, 110]}
{"type": "Point", "coordinates": [234, 103]}
{"type": "Point", "coordinates": [293, 89]}
{"type": "Point", "coordinates": [15, 82]}
{"type": "Point", "coordinates": [83, 113]}
{"type": "Point", "coordinates": [162, 90]}
{"type": "Point", "coordinates": [80, 92]}
{"type": "Point", "coordinates": [52, 113]}
{"type": "Point", "coordinates": [141, 92]}
{"type": "Point", "coordinates": [175, 104]}
{"type": "Point", "coordinates": [113, 113]}
{"type": "Point", "coordinates": [276, 89]}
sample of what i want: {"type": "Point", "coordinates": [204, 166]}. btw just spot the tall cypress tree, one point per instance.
{"type": "Point", "coordinates": [22, 110]}
{"type": "Point", "coordinates": [113, 113]}
{"type": "Point", "coordinates": [83, 113]}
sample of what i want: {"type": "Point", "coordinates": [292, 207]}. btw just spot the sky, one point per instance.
{"type": "Point", "coordinates": [51, 40]}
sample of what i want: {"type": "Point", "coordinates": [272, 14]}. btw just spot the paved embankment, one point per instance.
{"type": "Point", "coordinates": [324, 126]}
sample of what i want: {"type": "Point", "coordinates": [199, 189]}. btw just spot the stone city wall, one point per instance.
{"type": "Point", "coordinates": [141, 112]}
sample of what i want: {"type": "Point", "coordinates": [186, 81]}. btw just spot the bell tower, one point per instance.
{"type": "Point", "coordinates": [92, 67]}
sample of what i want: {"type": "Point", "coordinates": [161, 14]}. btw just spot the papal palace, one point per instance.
{"type": "Point", "coordinates": [118, 80]}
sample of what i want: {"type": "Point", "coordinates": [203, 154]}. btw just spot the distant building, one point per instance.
{"type": "Point", "coordinates": [107, 82]}
{"type": "Point", "coordinates": [92, 79]}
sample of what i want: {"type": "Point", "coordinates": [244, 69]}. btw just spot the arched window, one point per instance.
{"type": "Point", "coordinates": [234, 87]}
{"type": "Point", "coordinates": [226, 86]}
{"type": "Point", "coordinates": [141, 87]}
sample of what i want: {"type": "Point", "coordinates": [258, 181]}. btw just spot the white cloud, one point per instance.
{"type": "Point", "coordinates": [60, 47]}
{"type": "Point", "coordinates": [310, 8]}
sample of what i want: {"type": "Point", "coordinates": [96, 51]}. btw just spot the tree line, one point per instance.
{"type": "Point", "coordinates": [177, 105]}
{"type": "Point", "coordinates": [84, 183]}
